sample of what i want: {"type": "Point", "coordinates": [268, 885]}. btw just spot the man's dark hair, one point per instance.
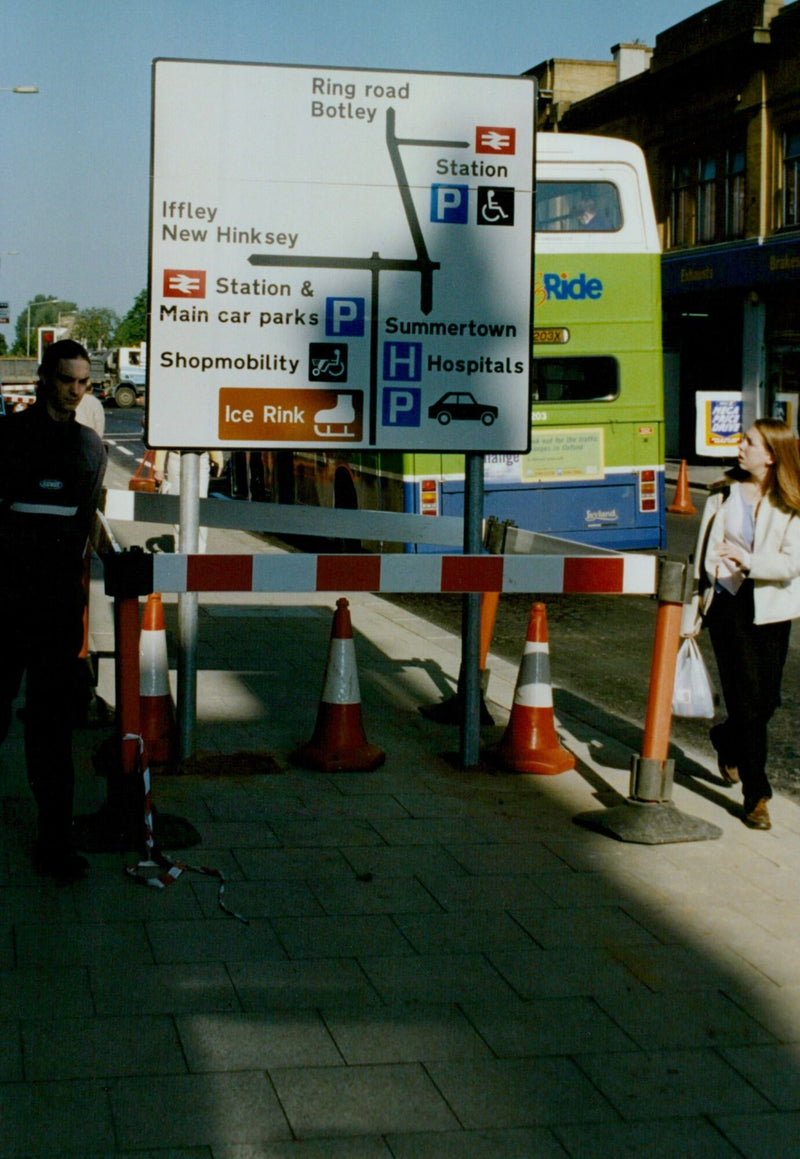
{"type": "Point", "coordinates": [51, 356]}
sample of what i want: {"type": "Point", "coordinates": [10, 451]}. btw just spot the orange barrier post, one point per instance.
{"type": "Point", "coordinates": [658, 720]}
{"type": "Point", "coordinates": [649, 816]}
{"type": "Point", "coordinates": [339, 743]}
{"type": "Point", "coordinates": [121, 821]}
{"type": "Point", "coordinates": [87, 588]}
{"type": "Point", "coordinates": [682, 503]}
{"type": "Point", "coordinates": [489, 603]}
{"type": "Point", "coordinates": [157, 712]}
{"type": "Point", "coordinates": [530, 743]}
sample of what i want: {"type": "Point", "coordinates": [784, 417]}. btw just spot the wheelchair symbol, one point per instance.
{"type": "Point", "coordinates": [491, 211]}
{"type": "Point", "coordinates": [495, 205]}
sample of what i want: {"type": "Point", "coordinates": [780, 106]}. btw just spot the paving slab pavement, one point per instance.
{"type": "Point", "coordinates": [438, 962]}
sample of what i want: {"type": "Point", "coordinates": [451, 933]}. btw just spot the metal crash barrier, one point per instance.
{"type": "Point", "coordinates": [529, 563]}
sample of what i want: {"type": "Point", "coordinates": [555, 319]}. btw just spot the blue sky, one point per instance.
{"type": "Point", "coordinates": [75, 158]}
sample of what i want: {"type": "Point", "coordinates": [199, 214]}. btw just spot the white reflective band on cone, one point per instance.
{"type": "Point", "coordinates": [341, 675]}
{"type": "Point", "coordinates": [533, 682]}
{"type": "Point", "coordinates": [153, 668]}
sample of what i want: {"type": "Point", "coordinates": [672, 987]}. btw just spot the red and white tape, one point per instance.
{"type": "Point", "coordinates": [156, 868]}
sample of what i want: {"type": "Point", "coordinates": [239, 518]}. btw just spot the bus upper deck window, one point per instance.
{"type": "Point", "coordinates": [591, 379]}
{"type": "Point", "coordinates": [577, 206]}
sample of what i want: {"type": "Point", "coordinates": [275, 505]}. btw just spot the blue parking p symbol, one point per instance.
{"type": "Point", "coordinates": [450, 204]}
{"type": "Point", "coordinates": [402, 406]}
{"type": "Point", "coordinates": [344, 317]}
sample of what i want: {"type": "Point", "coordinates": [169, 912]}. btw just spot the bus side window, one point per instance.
{"type": "Point", "coordinates": [575, 379]}
{"type": "Point", "coordinates": [570, 206]}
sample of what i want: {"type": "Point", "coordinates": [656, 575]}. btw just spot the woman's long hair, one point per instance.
{"type": "Point", "coordinates": [783, 481]}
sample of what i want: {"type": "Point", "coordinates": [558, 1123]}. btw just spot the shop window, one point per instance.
{"type": "Point", "coordinates": [575, 379]}
{"type": "Point", "coordinates": [571, 206]}
{"type": "Point", "coordinates": [791, 177]}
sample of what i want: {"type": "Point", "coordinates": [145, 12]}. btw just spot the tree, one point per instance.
{"type": "Point", "coordinates": [94, 327]}
{"type": "Point", "coordinates": [3, 344]}
{"type": "Point", "coordinates": [43, 310]}
{"type": "Point", "coordinates": [132, 330]}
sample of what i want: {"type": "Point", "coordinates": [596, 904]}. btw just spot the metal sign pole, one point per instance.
{"type": "Point", "coordinates": [186, 708]}
{"type": "Point", "coordinates": [471, 616]}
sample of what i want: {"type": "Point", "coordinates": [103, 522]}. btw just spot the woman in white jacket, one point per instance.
{"type": "Point", "coordinates": [749, 565]}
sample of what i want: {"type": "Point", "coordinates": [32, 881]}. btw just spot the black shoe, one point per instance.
{"type": "Point", "coordinates": [757, 815]}
{"type": "Point", "coordinates": [63, 864]}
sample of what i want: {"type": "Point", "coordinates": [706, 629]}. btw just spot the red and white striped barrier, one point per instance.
{"type": "Point", "coordinates": [623, 574]}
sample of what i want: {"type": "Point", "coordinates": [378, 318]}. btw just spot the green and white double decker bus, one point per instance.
{"type": "Point", "coordinates": [595, 470]}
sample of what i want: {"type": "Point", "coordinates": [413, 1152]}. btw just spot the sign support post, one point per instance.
{"type": "Point", "coordinates": [186, 708]}
{"type": "Point", "coordinates": [471, 616]}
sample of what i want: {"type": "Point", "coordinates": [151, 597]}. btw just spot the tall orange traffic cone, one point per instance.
{"type": "Point", "coordinates": [530, 743]}
{"type": "Point", "coordinates": [157, 712]}
{"type": "Point", "coordinates": [682, 504]}
{"type": "Point", "coordinates": [339, 743]}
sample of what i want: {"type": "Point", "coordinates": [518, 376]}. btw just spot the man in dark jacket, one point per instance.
{"type": "Point", "coordinates": [51, 472]}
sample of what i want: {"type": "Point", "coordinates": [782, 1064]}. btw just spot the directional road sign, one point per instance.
{"type": "Point", "coordinates": [340, 258]}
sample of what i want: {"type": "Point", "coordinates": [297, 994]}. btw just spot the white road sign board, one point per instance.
{"type": "Point", "coordinates": [340, 258]}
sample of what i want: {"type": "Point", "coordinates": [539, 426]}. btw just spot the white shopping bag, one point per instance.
{"type": "Point", "coordinates": [693, 694]}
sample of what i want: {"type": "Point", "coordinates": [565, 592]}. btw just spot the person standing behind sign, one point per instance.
{"type": "Point", "coordinates": [749, 561]}
{"type": "Point", "coordinates": [90, 412]}
{"type": "Point", "coordinates": [167, 471]}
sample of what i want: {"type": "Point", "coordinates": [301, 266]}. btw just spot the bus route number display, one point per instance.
{"type": "Point", "coordinates": [339, 259]}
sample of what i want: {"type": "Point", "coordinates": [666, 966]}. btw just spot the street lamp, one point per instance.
{"type": "Point", "coordinates": [21, 89]}
{"type": "Point", "coordinates": [44, 302]}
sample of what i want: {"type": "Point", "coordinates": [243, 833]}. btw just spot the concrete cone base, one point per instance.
{"type": "Point", "coordinates": [648, 823]}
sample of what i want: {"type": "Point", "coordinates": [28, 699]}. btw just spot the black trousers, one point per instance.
{"type": "Point", "coordinates": [43, 642]}
{"type": "Point", "coordinates": [750, 659]}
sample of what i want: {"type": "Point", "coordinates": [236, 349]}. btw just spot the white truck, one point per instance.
{"type": "Point", "coordinates": [125, 378]}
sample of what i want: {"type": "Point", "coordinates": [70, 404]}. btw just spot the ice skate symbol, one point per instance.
{"type": "Point", "coordinates": [334, 423]}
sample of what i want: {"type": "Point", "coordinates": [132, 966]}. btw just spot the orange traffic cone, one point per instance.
{"type": "Point", "coordinates": [682, 504]}
{"type": "Point", "coordinates": [157, 712]}
{"type": "Point", "coordinates": [339, 743]}
{"type": "Point", "coordinates": [530, 743]}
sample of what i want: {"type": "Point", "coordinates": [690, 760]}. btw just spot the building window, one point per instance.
{"type": "Point", "coordinates": [683, 204]}
{"type": "Point", "coordinates": [791, 177]}
{"type": "Point", "coordinates": [706, 200]}
{"type": "Point", "coordinates": [735, 189]}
